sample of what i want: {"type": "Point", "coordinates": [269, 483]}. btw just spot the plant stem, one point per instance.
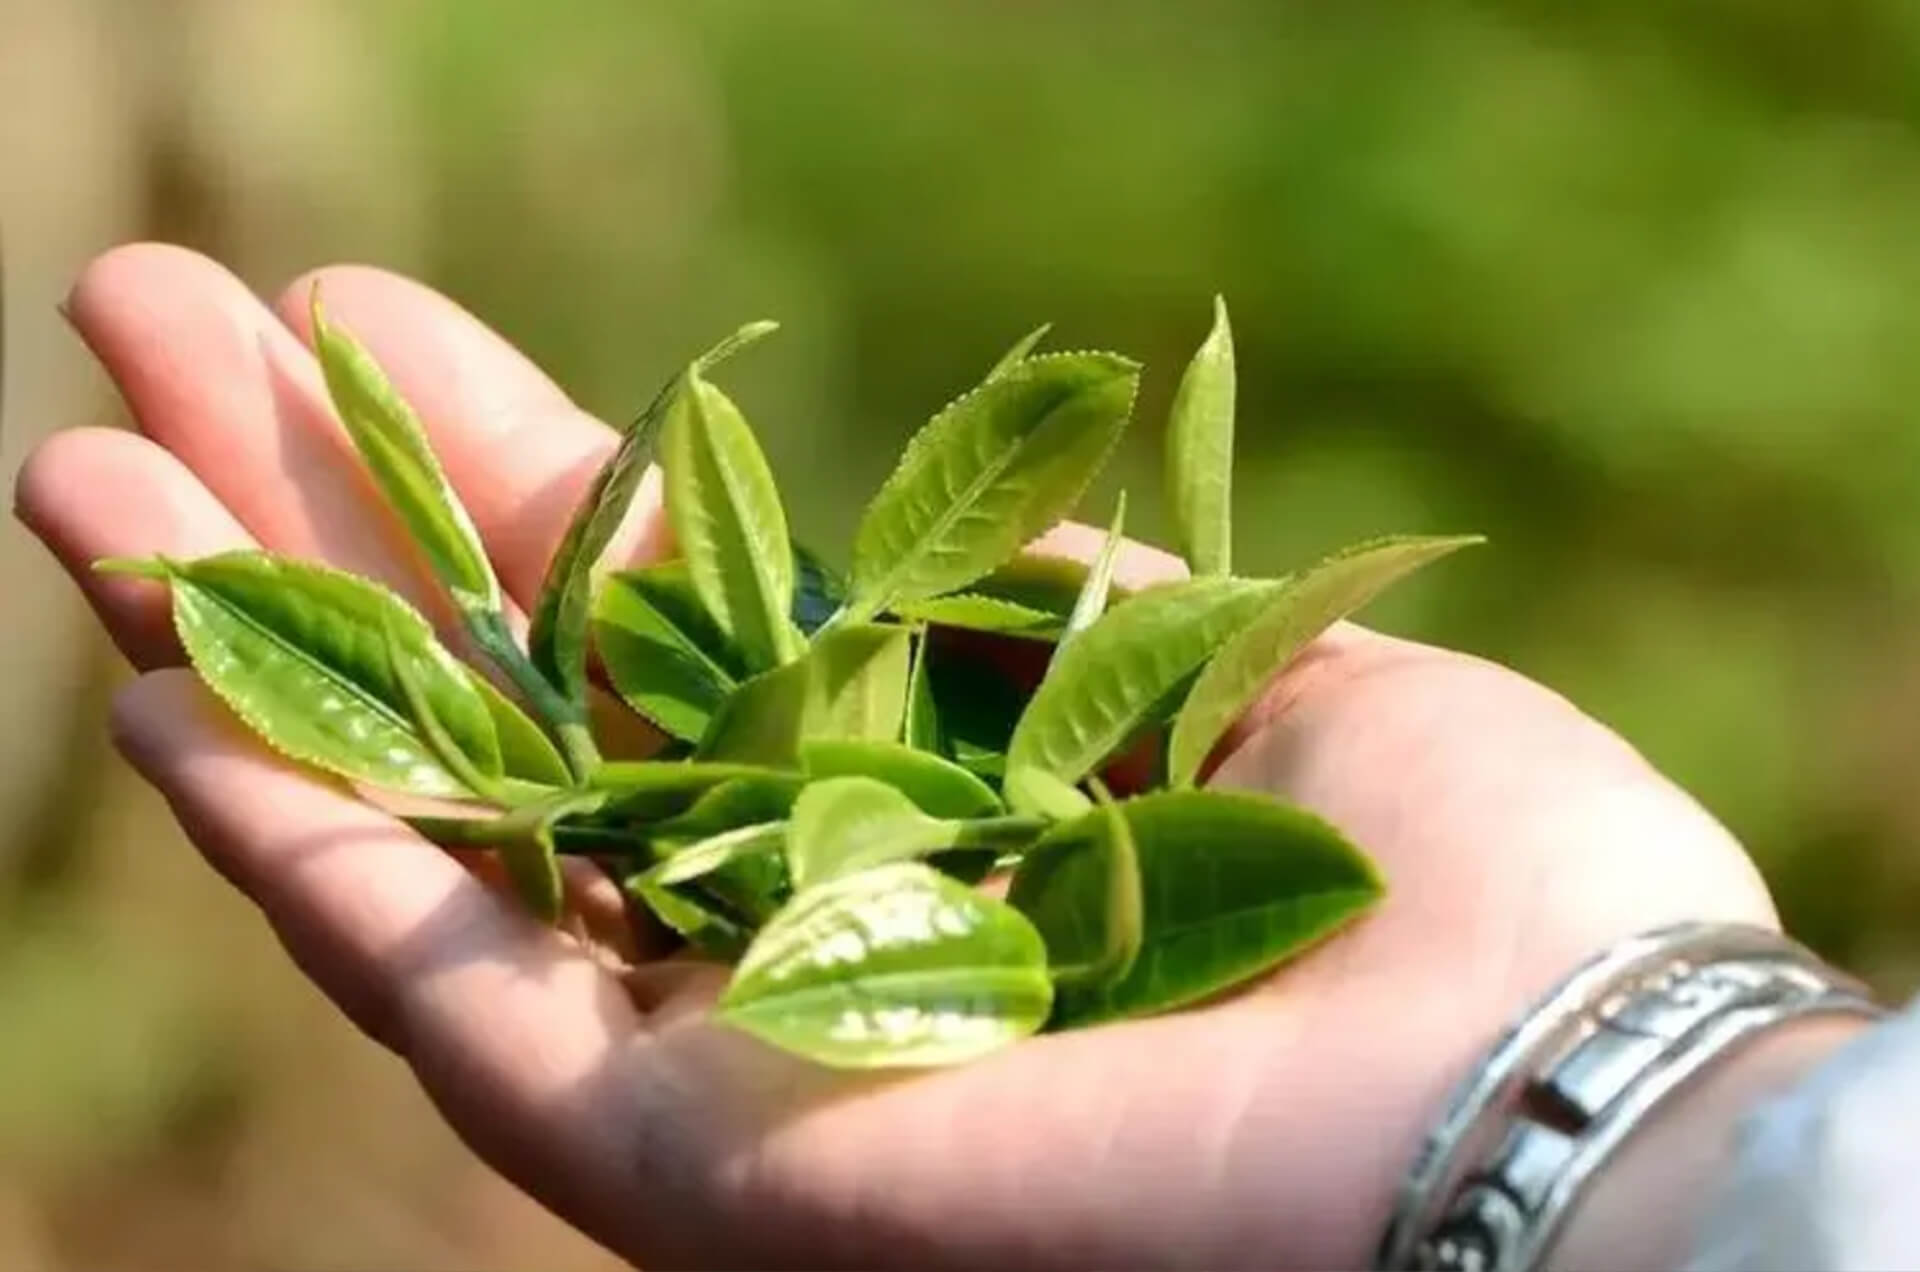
{"type": "Point", "coordinates": [564, 718]}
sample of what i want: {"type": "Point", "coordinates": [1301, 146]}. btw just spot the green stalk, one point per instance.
{"type": "Point", "coordinates": [564, 718]}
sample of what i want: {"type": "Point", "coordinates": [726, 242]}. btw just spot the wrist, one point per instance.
{"type": "Point", "coordinates": [1684, 1028]}
{"type": "Point", "coordinates": [1643, 1209]}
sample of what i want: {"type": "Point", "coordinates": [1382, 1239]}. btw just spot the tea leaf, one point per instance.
{"type": "Point", "coordinates": [726, 515]}
{"type": "Point", "coordinates": [818, 591]}
{"type": "Point", "coordinates": [1034, 790]}
{"type": "Point", "coordinates": [1049, 584]}
{"type": "Point", "coordinates": [1200, 452]}
{"type": "Point", "coordinates": [1021, 350]}
{"type": "Point", "coordinates": [1118, 674]}
{"type": "Point", "coordinates": [1232, 884]}
{"type": "Point", "coordinates": [1303, 607]}
{"type": "Point", "coordinates": [859, 681]}
{"type": "Point", "coordinates": [298, 652]}
{"type": "Point", "coordinates": [890, 967]}
{"type": "Point", "coordinates": [656, 789]}
{"type": "Point", "coordinates": [526, 850]}
{"type": "Point", "coordinates": [1120, 923]}
{"type": "Point", "coordinates": [987, 474]}
{"type": "Point", "coordinates": [526, 752]}
{"type": "Point", "coordinates": [427, 723]}
{"type": "Point", "coordinates": [938, 787]}
{"type": "Point", "coordinates": [1092, 601]}
{"type": "Point", "coordinates": [737, 802]}
{"type": "Point", "coordinates": [921, 727]}
{"type": "Point", "coordinates": [719, 850]}
{"type": "Point", "coordinates": [763, 721]}
{"type": "Point", "coordinates": [701, 921]}
{"type": "Point", "coordinates": [842, 825]}
{"type": "Point", "coordinates": [557, 640]}
{"type": "Point", "coordinates": [660, 668]}
{"type": "Point", "coordinates": [975, 613]}
{"type": "Point", "coordinates": [389, 437]}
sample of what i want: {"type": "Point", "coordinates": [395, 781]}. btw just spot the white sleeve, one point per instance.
{"type": "Point", "coordinates": [1827, 1175]}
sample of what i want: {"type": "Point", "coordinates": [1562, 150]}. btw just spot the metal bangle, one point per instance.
{"type": "Point", "coordinates": [1572, 1079]}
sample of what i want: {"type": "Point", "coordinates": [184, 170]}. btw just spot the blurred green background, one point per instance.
{"type": "Point", "coordinates": [1633, 286]}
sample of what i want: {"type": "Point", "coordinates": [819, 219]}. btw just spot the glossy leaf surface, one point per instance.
{"type": "Point", "coordinates": [898, 966]}
{"type": "Point", "coordinates": [1303, 607]}
{"type": "Point", "coordinates": [1200, 452]}
{"type": "Point", "coordinates": [841, 825]}
{"type": "Point", "coordinates": [938, 787]}
{"type": "Point", "coordinates": [971, 611]}
{"type": "Point", "coordinates": [299, 653]}
{"type": "Point", "coordinates": [1092, 601]}
{"type": "Point", "coordinates": [1034, 790]}
{"type": "Point", "coordinates": [987, 474]}
{"type": "Point", "coordinates": [858, 681]}
{"type": "Point", "coordinates": [726, 516]}
{"type": "Point", "coordinates": [1118, 674]}
{"type": "Point", "coordinates": [1119, 923]}
{"type": "Point", "coordinates": [656, 655]}
{"type": "Point", "coordinates": [921, 729]}
{"type": "Point", "coordinates": [526, 752]}
{"type": "Point", "coordinates": [390, 439]}
{"type": "Point", "coordinates": [557, 639]}
{"type": "Point", "coordinates": [1231, 884]}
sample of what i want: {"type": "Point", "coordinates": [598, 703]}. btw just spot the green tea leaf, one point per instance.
{"type": "Point", "coordinates": [975, 613]}
{"type": "Point", "coordinates": [1049, 584]}
{"type": "Point", "coordinates": [298, 652]}
{"type": "Point", "coordinates": [988, 474]}
{"type": "Point", "coordinates": [858, 687]}
{"type": "Point", "coordinates": [1120, 923]}
{"type": "Point", "coordinates": [1021, 350]}
{"type": "Point", "coordinates": [1034, 790]}
{"type": "Point", "coordinates": [938, 787]}
{"type": "Point", "coordinates": [526, 752]}
{"type": "Point", "coordinates": [1092, 601]}
{"type": "Point", "coordinates": [737, 802]}
{"type": "Point", "coordinates": [426, 721]}
{"type": "Point", "coordinates": [891, 967]}
{"type": "Point", "coordinates": [557, 640]}
{"type": "Point", "coordinates": [818, 591]}
{"type": "Point", "coordinates": [525, 842]}
{"type": "Point", "coordinates": [842, 825]}
{"type": "Point", "coordinates": [1119, 673]}
{"type": "Point", "coordinates": [389, 437]}
{"type": "Point", "coordinates": [657, 789]}
{"type": "Point", "coordinates": [1200, 452]}
{"type": "Point", "coordinates": [763, 721]}
{"type": "Point", "coordinates": [660, 668]}
{"type": "Point", "coordinates": [718, 851]}
{"type": "Point", "coordinates": [702, 921]}
{"type": "Point", "coordinates": [1232, 884]}
{"type": "Point", "coordinates": [921, 727]}
{"type": "Point", "coordinates": [1303, 607]}
{"type": "Point", "coordinates": [726, 515]}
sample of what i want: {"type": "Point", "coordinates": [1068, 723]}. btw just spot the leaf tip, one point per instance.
{"type": "Point", "coordinates": [153, 567]}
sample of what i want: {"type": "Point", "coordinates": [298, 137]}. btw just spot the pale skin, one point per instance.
{"type": "Point", "coordinates": [1267, 1130]}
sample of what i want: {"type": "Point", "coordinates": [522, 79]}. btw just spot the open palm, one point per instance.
{"type": "Point", "coordinates": [1265, 1130]}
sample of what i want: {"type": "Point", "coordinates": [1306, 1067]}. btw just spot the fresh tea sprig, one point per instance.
{"type": "Point", "coordinates": [842, 757]}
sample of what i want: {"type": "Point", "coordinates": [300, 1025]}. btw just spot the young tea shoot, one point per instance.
{"type": "Point", "coordinates": [844, 757]}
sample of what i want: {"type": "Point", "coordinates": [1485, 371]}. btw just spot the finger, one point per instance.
{"type": "Point", "coordinates": [520, 454]}
{"type": "Point", "coordinates": [94, 492]}
{"type": "Point", "coordinates": [210, 374]}
{"type": "Point", "coordinates": [508, 1025]}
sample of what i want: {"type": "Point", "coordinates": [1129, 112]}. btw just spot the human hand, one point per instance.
{"type": "Point", "coordinates": [1517, 835]}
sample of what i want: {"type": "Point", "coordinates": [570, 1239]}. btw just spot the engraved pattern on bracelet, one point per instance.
{"type": "Point", "coordinates": [1494, 1181]}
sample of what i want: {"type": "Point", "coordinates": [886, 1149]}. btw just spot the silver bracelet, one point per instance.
{"type": "Point", "coordinates": [1494, 1181]}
